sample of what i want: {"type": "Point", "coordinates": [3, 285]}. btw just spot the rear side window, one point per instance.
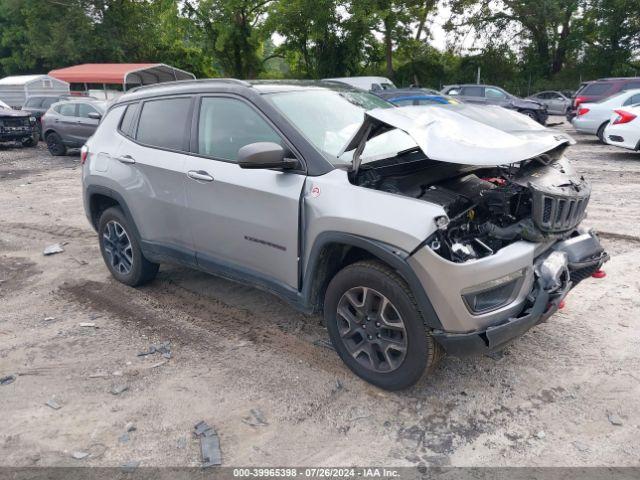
{"type": "Point", "coordinates": [631, 85]}
{"type": "Point", "coordinates": [225, 125]}
{"type": "Point", "coordinates": [596, 89]}
{"type": "Point", "coordinates": [33, 102]}
{"type": "Point", "coordinates": [163, 123]}
{"type": "Point", "coordinates": [128, 126]}
{"type": "Point", "coordinates": [67, 109]}
{"type": "Point", "coordinates": [47, 102]}
{"type": "Point", "coordinates": [473, 91]}
{"type": "Point", "coordinates": [633, 100]}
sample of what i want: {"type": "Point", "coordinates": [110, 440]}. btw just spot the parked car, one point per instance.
{"type": "Point", "coordinates": [594, 117]}
{"type": "Point", "coordinates": [69, 124]}
{"type": "Point", "coordinates": [492, 95]}
{"type": "Point", "coordinates": [17, 126]}
{"type": "Point", "coordinates": [556, 102]}
{"type": "Point", "coordinates": [623, 129]}
{"type": "Point", "coordinates": [368, 84]}
{"type": "Point", "coordinates": [39, 104]}
{"type": "Point", "coordinates": [415, 96]}
{"type": "Point", "coordinates": [599, 90]}
{"type": "Point", "coordinates": [414, 229]}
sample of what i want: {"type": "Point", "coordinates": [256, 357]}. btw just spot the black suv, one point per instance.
{"type": "Point", "coordinates": [599, 90]}
{"type": "Point", "coordinates": [492, 95]}
{"type": "Point", "coordinates": [17, 126]}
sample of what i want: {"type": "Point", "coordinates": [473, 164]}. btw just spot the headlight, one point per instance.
{"type": "Point", "coordinates": [493, 294]}
{"type": "Point", "coordinates": [32, 119]}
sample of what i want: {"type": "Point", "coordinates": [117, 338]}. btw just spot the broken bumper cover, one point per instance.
{"type": "Point", "coordinates": [583, 256]}
{"type": "Point", "coordinates": [498, 336]}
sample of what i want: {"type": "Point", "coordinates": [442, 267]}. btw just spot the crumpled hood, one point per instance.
{"type": "Point", "coordinates": [4, 112]}
{"type": "Point", "coordinates": [464, 134]}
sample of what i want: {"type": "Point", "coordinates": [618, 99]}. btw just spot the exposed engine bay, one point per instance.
{"type": "Point", "coordinates": [487, 208]}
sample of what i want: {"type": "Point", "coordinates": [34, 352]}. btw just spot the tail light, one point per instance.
{"type": "Point", "coordinates": [578, 100]}
{"type": "Point", "coordinates": [583, 111]}
{"type": "Point", "coordinates": [84, 153]}
{"type": "Point", "coordinates": [623, 117]}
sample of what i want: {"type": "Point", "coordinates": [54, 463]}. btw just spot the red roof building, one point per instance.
{"type": "Point", "coordinates": [126, 74]}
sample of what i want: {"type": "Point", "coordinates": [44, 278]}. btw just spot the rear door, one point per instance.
{"type": "Point", "coordinates": [474, 94]}
{"type": "Point", "coordinates": [151, 161]}
{"type": "Point", "coordinates": [65, 123]}
{"type": "Point", "coordinates": [245, 220]}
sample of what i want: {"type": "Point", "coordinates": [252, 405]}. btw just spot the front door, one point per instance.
{"type": "Point", "coordinates": [244, 220]}
{"type": "Point", "coordinates": [85, 125]}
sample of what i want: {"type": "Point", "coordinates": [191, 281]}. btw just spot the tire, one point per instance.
{"type": "Point", "coordinates": [30, 142]}
{"type": "Point", "coordinates": [531, 114]}
{"type": "Point", "coordinates": [55, 145]}
{"type": "Point", "coordinates": [120, 249]}
{"type": "Point", "coordinates": [600, 132]}
{"type": "Point", "coordinates": [370, 283]}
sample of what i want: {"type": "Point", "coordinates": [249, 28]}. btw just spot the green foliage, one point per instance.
{"type": "Point", "coordinates": [534, 44]}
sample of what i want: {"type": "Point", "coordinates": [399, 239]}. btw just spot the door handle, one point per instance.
{"type": "Point", "coordinates": [126, 159]}
{"type": "Point", "coordinates": [200, 175]}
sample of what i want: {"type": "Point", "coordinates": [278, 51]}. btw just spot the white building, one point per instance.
{"type": "Point", "coordinates": [15, 89]}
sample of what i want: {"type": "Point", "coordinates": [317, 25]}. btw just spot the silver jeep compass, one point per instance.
{"type": "Point", "coordinates": [415, 230]}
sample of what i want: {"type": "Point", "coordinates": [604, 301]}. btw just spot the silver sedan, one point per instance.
{"type": "Point", "coordinates": [557, 103]}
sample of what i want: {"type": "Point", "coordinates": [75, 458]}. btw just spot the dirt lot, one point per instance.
{"type": "Point", "coordinates": [551, 399]}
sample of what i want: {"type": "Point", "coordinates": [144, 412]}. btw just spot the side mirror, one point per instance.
{"type": "Point", "coordinates": [95, 115]}
{"type": "Point", "coordinates": [265, 155]}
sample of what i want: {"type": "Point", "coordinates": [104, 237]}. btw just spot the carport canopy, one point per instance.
{"type": "Point", "coordinates": [125, 74]}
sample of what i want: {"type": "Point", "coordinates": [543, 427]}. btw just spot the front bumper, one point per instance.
{"type": "Point", "coordinates": [498, 336]}
{"type": "Point", "coordinates": [466, 334]}
{"type": "Point", "coordinates": [12, 134]}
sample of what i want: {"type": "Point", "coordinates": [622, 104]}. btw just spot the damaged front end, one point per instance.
{"type": "Point", "coordinates": [508, 247]}
{"type": "Point", "coordinates": [499, 177]}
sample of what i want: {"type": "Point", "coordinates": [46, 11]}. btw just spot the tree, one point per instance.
{"type": "Point", "coordinates": [233, 32]}
{"type": "Point", "coordinates": [546, 26]}
{"type": "Point", "coordinates": [323, 38]}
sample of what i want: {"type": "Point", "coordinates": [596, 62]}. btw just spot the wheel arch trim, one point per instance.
{"type": "Point", "coordinates": [393, 257]}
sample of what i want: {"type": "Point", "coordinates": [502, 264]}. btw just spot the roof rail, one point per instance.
{"type": "Point", "coordinates": [199, 80]}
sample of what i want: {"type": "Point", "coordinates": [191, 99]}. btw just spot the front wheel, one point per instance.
{"type": "Point", "coordinates": [376, 327]}
{"type": "Point", "coordinates": [32, 141]}
{"type": "Point", "coordinates": [121, 251]}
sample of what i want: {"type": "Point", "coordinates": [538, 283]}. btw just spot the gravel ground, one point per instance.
{"type": "Point", "coordinates": [565, 394]}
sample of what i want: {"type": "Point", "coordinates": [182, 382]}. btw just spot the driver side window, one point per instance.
{"type": "Point", "coordinates": [494, 93]}
{"type": "Point", "coordinates": [226, 124]}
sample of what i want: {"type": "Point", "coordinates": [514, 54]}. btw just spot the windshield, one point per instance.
{"type": "Point", "coordinates": [329, 118]}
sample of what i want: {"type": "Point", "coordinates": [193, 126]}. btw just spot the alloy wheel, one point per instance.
{"type": "Point", "coordinates": [372, 329]}
{"type": "Point", "coordinates": [117, 246]}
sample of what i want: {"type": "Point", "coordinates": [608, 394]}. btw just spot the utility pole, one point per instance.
{"type": "Point", "coordinates": [478, 77]}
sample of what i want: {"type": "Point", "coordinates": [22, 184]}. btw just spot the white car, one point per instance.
{"type": "Point", "coordinates": [624, 128]}
{"type": "Point", "coordinates": [593, 117]}
{"type": "Point", "coordinates": [368, 84]}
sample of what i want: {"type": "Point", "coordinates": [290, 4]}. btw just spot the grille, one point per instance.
{"type": "Point", "coordinates": [558, 213]}
{"type": "Point", "coordinates": [15, 121]}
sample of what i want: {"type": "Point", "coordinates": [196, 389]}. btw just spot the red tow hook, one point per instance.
{"type": "Point", "coordinates": [599, 274]}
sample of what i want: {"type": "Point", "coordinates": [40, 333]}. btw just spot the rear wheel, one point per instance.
{"type": "Point", "coordinates": [121, 251]}
{"type": "Point", "coordinates": [600, 132]}
{"type": "Point", "coordinates": [55, 144]}
{"type": "Point", "coordinates": [376, 327]}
